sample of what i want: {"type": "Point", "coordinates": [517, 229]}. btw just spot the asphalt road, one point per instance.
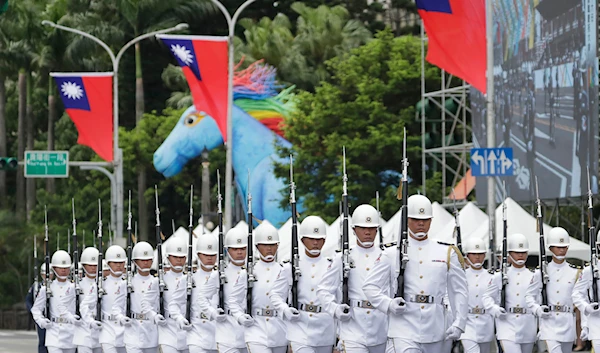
{"type": "Point", "coordinates": [18, 341]}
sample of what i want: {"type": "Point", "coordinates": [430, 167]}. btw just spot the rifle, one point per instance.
{"type": "Point", "coordinates": [222, 262]}
{"type": "Point", "coordinates": [47, 280]}
{"type": "Point", "coordinates": [295, 257]}
{"type": "Point", "coordinates": [543, 261]}
{"type": "Point", "coordinates": [345, 234]}
{"type": "Point", "coordinates": [457, 226]}
{"type": "Point", "coordinates": [504, 265]}
{"type": "Point", "coordinates": [35, 268]}
{"type": "Point", "coordinates": [593, 246]}
{"type": "Point", "coordinates": [129, 267]}
{"type": "Point", "coordinates": [99, 276]}
{"type": "Point", "coordinates": [161, 271]}
{"type": "Point", "coordinates": [251, 278]}
{"type": "Point", "coordinates": [403, 241]}
{"type": "Point", "coordinates": [188, 303]}
{"type": "Point", "coordinates": [77, 271]}
{"type": "Point", "coordinates": [379, 229]}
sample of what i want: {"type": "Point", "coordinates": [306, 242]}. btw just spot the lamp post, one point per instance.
{"type": "Point", "coordinates": [231, 21]}
{"type": "Point", "coordinates": [117, 152]}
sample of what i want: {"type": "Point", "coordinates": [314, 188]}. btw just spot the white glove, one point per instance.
{"type": "Point", "coordinates": [125, 321]}
{"type": "Point", "coordinates": [342, 312]}
{"type": "Point", "coordinates": [72, 319]}
{"type": "Point", "coordinates": [96, 325]}
{"type": "Point", "coordinates": [543, 312]}
{"type": "Point", "coordinates": [160, 320]}
{"type": "Point", "coordinates": [246, 320]}
{"type": "Point", "coordinates": [592, 309]}
{"type": "Point", "coordinates": [184, 324]}
{"type": "Point", "coordinates": [291, 314]}
{"type": "Point", "coordinates": [585, 333]}
{"type": "Point", "coordinates": [397, 306]}
{"type": "Point", "coordinates": [453, 333]}
{"type": "Point", "coordinates": [219, 315]}
{"type": "Point", "coordinates": [499, 313]}
{"type": "Point", "coordinates": [45, 323]}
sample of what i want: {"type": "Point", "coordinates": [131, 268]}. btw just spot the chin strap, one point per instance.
{"type": "Point", "coordinates": [519, 262]}
{"type": "Point", "coordinates": [267, 258]}
{"type": "Point", "coordinates": [366, 244]}
{"type": "Point", "coordinates": [419, 235]}
{"type": "Point", "coordinates": [236, 262]}
{"type": "Point", "coordinates": [314, 252]}
{"type": "Point", "coordinates": [476, 265]}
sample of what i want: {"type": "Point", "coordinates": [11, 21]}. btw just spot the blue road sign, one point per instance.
{"type": "Point", "coordinates": [492, 161]}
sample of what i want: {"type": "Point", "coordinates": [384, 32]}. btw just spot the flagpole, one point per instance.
{"type": "Point", "coordinates": [231, 21]}
{"type": "Point", "coordinates": [117, 203]}
{"type": "Point", "coordinates": [490, 126]}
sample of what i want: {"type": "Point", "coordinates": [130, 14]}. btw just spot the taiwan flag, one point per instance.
{"type": "Point", "coordinates": [204, 62]}
{"type": "Point", "coordinates": [88, 100]}
{"type": "Point", "coordinates": [456, 31]}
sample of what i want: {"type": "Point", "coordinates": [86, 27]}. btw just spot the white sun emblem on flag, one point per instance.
{"type": "Point", "coordinates": [71, 90]}
{"type": "Point", "coordinates": [183, 54]}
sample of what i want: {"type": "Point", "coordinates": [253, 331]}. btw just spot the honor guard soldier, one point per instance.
{"type": "Point", "coordinates": [479, 333]}
{"type": "Point", "coordinates": [309, 328]}
{"type": "Point", "coordinates": [434, 270]}
{"type": "Point", "coordinates": [266, 332]}
{"type": "Point", "coordinates": [87, 336]}
{"type": "Point", "coordinates": [142, 335]}
{"type": "Point", "coordinates": [172, 336]}
{"type": "Point", "coordinates": [557, 319]}
{"type": "Point", "coordinates": [362, 328]}
{"type": "Point", "coordinates": [516, 326]}
{"type": "Point", "coordinates": [201, 338]}
{"type": "Point", "coordinates": [62, 319]}
{"type": "Point", "coordinates": [29, 301]}
{"type": "Point", "coordinates": [229, 332]}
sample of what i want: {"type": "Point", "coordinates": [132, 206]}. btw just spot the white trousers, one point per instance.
{"type": "Point", "coordinates": [474, 347]}
{"type": "Point", "coordinates": [140, 350]}
{"type": "Point", "coordinates": [512, 347]}
{"type": "Point", "coordinates": [198, 349]}
{"type": "Point", "coordinates": [170, 349]}
{"type": "Point", "coordinates": [559, 347]}
{"type": "Point", "coordinates": [109, 348]}
{"type": "Point", "coordinates": [224, 348]}
{"type": "Point", "coordinates": [60, 350]}
{"type": "Point", "coordinates": [82, 349]}
{"type": "Point", "coordinates": [355, 347]}
{"type": "Point", "coordinates": [302, 348]}
{"type": "Point", "coordinates": [261, 348]}
{"type": "Point", "coordinates": [596, 345]}
{"type": "Point", "coordinates": [401, 345]}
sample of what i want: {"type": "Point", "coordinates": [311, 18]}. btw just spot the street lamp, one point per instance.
{"type": "Point", "coordinates": [231, 21]}
{"type": "Point", "coordinates": [117, 153]}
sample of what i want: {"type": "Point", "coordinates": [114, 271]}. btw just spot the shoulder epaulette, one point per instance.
{"type": "Point", "coordinates": [338, 250]}
{"type": "Point", "coordinates": [244, 267]}
{"type": "Point", "coordinates": [537, 267]}
{"type": "Point", "coordinates": [285, 261]}
{"type": "Point", "coordinates": [498, 270]}
{"type": "Point", "coordinates": [586, 264]}
{"type": "Point", "coordinates": [573, 266]}
{"type": "Point", "coordinates": [448, 244]}
{"type": "Point", "coordinates": [388, 245]}
{"type": "Point", "coordinates": [330, 259]}
{"type": "Point", "coordinates": [216, 268]}
{"type": "Point", "coordinates": [532, 269]}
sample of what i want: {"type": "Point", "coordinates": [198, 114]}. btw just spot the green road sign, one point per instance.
{"type": "Point", "coordinates": [46, 164]}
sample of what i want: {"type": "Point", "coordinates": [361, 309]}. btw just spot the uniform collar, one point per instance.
{"type": "Point", "coordinates": [307, 258]}
{"type": "Point", "coordinates": [423, 242]}
{"type": "Point", "coordinates": [554, 264]}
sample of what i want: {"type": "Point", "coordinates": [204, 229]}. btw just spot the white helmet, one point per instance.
{"type": "Point", "coordinates": [142, 251]}
{"type": "Point", "coordinates": [365, 216]}
{"type": "Point", "coordinates": [419, 207]}
{"type": "Point", "coordinates": [89, 256]}
{"type": "Point", "coordinates": [313, 227]}
{"type": "Point", "coordinates": [207, 244]}
{"type": "Point", "coordinates": [236, 238]}
{"type": "Point", "coordinates": [266, 233]}
{"type": "Point", "coordinates": [115, 253]}
{"type": "Point", "coordinates": [61, 259]}
{"type": "Point", "coordinates": [177, 247]}
{"type": "Point", "coordinates": [474, 246]}
{"type": "Point", "coordinates": [558, 236]}
{"type": "Point", "coordinates": [105, 265]}
{"type": "Point", "coordinates": [518, 243]}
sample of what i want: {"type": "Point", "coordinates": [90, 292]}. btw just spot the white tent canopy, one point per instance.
{"type": "Point", "coordinates": [470, 219]}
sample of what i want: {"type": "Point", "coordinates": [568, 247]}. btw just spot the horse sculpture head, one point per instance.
{"type": "Point", "coordinates": [194, 132]}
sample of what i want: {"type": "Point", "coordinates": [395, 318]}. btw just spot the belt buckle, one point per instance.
{"type": "Point", "coordinates": [366, 304]}
{"type": "Point", "coordinates": [267, 312]}
{"type": "Point", "coordinates": [422, 298]}
{"type": "Point", "coordinates": [476, 310]}
{"type": "Point", "coordinates": [518, 310]}
{"type": "Point", "coordinates": [311, 308]}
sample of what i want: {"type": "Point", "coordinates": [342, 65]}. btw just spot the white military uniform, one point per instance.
{"type": "Point", "coordinates": [433, 271]}
{"type": "Point", "coordinates": [517, 330]}
{"type": "Point", "coordinates": [268, 333]}
{"type": "Point", "coordinates": [314, 332]}
{"type": "Point", "coordinates": [86, 338]}
{"type": "Point", "coordinates": [480, 324]}
{"type": "Point", "coordinates": [581, 298]}
{"type": "Point", "coordinates": [366, 330]}
{"type": "Point", "coordinates": [59, 336]}
{"type": "Point", "coordinates": [142, 335]}
{"type": "Point", "coordinates": [170, 336]}
{"type": "Point", "coordinates": [558, 330]}
{"type": "Point", "coordinates": [229, 335]}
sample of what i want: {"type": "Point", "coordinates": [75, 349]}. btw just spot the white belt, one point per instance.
{"type": "Point", "coordinates": [560, 308]}
{"type": "Point", "coordinates": [310, 308]}
{"type": "Point", "coordinates": [422, 298]}
{"type": "Point", "coordinates": [518, 310]}
{"type": "Point", "coordinates": [60, 320]}
{"type": "Point", "coordinates": [201, 316]}
{"type": "Point", "coordinates": [137, 316]}
{"type": "Point", "coordinates": [109, 317]}
{"type": "Point", "coordinates": [362, 304]}
{"type": "Point", "coordinates": [265, 312]}
{"type": "Point", "coordinates": [477, 311]}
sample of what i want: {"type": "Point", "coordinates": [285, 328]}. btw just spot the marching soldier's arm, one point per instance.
{"type": "Point", "coordinates": [581, 289]}
{"type": "Point", "coordinates": [118, 307]}
{"type": "Point", "coordinates": [88, 305]}
{"type": "Point", "coordinates": [492, 294]}
{"type": "Point", "coordinates": [177, 296]}
{"type": "Point", "coordinates": [149, 300]}
{"type": "Point", "coordinates": [39, 306]}
{"type": "Point", "coordinates": [238, 295]}
{"type": "Point", "coordinates": [281, 288]}
{"type": "Point", "coordinates": [457, 291]}
{"type": "Point", "coordinates": [533, 292]}
{"type": "Point", "coordinates": [205, 294]}
{"type": "Point", "coordinates": [330, 284]}
{"type": "Point", "coordinates": [377, 284]}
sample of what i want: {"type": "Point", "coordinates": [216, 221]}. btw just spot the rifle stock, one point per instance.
{"type": "Point", "coordinates": [250, 248]}
{"type": "Point", "coordinates": [189, 284]}
{"type": "Point", "coordinates": [47, 280]}
{"type": "Point", "coordinates": [129, 273]}
{"type": "Point", "coordinates": [222, 261]}
{"type": "Point", "coordinates": [161, 272]}
{"type": "Point", "coordinates": [77, 274]}
{"type": "Point", "coordinates": [295, 259]}
{"type": "Point", "coordinates": [543, 263]}
{"type": "Point", "coordinates": [504, 265]}
{"type": "Point", "coordinates": [345, 235]}
{"type": "Point", "coordinates": [99, 276]}
{"type": "Point", "coordinates": [593, 245]}
{"type": "Point", "coordinates": [403, 241]}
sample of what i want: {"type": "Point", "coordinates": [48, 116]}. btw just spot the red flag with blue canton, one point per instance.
{"type": "Point", "coordinates": [88, 100]}
{"type": "Point", "coordinates": [204, 61]}
{"type": "Point", "coordinates": [456, 31]}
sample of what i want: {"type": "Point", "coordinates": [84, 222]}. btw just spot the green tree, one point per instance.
{"type": "Point", "coordinates": [364, 106]}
